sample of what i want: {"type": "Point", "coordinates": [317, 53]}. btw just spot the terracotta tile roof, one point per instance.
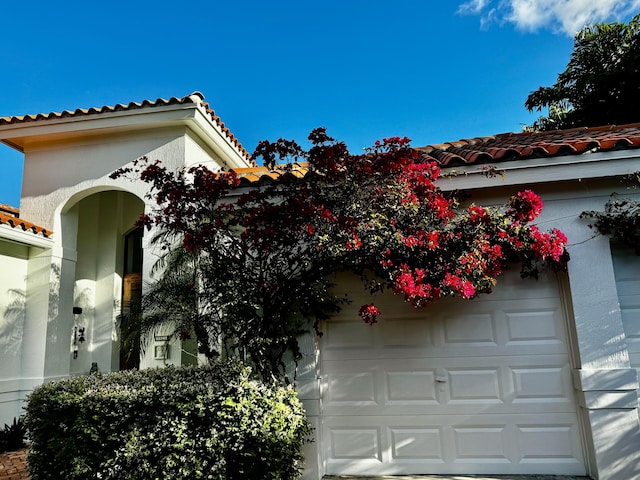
{"type": "Point", "coordinates": [253, 175]}
{"type": "Point", "coordinates": [195, 98]}
{"type": "Point", "coordinates": [10, 216]}
{"type": "Point", "coordinates": [8, 209]}
{"type": "Point", "coordinates": [496, 148]}
{"type": "Point", "coordinates": [526, 145]}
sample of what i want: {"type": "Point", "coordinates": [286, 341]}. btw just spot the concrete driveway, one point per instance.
{"type": "Point", "coordinates": [455, 477]}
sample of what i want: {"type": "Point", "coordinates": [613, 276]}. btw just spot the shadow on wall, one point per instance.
{"type": "Point", "coordinates": [13, 319]}
{"type": "Point", "coordinates": [623, 448]}
{"type": "Point", "coordinates": [54, 300]}
{"type": "Point", "coordinates": [12, 322]}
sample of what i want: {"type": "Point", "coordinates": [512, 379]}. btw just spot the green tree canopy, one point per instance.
{"type": "Point", "coordinates": [601, 84]}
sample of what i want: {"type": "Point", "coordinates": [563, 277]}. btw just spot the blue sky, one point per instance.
{"type": "Point", "coordinates": [434, 71]}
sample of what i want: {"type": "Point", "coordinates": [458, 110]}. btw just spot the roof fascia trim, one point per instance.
{"type": "Point", "coordinates": [107, 121]}
{"type": "Point", "coordinates": [206, 129]}
{"type": "Point", "coordinates": [27, 238]}
{"type": "Point", "coordinates": [542, 170]}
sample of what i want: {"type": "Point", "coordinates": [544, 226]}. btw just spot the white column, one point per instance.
{"type": "Point", "coordinates": [607, 385]}
{"type": "Point", "coordinates": [308, 388]}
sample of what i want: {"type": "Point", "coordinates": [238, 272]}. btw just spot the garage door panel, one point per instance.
{"type": "Point", "coordinates": [471, 329]}
{"type": "Point", "coordinates": [535, 326]}
{"type": "Point", "coordinates": [352, 390]}
{"type": "Point", "coordinates": [416, 442]}
{"type": "Point", "coordinates": [405, 387]}
{"type": "Point", "coordinates": [476, 385]}
{"type": "Point", "coordinates": [405, 333]}
{"type": "Point", "coordinates": [347, 336]}
{"type": "Point", "coordinates": [539, 443]}
{"type": "Point", "coordinates": [355, 443]}
{"type": "Point", "coordinates": [548, 384]}
{"type": "Point", "coordinates": [493, 444]}
{"type": "Point", "coordinates": [481, 443]}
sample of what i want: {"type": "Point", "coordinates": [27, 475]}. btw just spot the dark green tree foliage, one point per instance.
{"type": "Point", "coordinates": [601, 84]}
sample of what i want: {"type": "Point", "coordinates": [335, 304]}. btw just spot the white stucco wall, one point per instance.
{"type": "Point", "coordinates": [197, 153]}
{"type": "Point", "coordinates": [56, 176]}
{"type": "Point", "coordinates": [68, 189]}
{"type": "Point", "coordinates": [13, 258]}
{"type": "Point", "coordinates": [20, 285]}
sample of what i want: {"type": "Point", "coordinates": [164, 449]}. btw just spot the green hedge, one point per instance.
{"type": "Point", "coordinates": [171, 423]}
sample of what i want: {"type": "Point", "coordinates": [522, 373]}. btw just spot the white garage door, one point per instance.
{"type": "Point", "coordinates": [627, 269]}
{"type": "Point", "coordinates": [458, 387]}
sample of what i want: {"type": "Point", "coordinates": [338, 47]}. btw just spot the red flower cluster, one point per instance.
{"type": "Point", "coordinates": [369, 313]}
{"type": "Point", "coordinates": [462, 287]}
{"type": "Point", "coordinates": [525, 206]}
{"type": "Point", "coordinates": [411, 284]}
{"type": "Point", "coordinates": [548, 246]}
{"type": "Point", "coordinates": [478, 215]}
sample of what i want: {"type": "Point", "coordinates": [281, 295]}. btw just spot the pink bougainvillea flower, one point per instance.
{"type": "Point", "coordinates": [525, 206]}
{"type": "Point", "coordinates": [310, 230]}
{"type": "Point", "coordinates": [369, 313]}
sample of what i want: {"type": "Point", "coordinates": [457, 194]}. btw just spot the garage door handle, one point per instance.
{"type": "Point", "coordinates": [441, 376]}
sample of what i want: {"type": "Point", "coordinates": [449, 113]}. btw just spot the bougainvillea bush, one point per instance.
{"type": "Point", "coordinates": [621, 216]}
{"type": "Point", "coordinates": [253, 265]}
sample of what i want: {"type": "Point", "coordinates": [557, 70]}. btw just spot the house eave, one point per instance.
{"type": "Point", "coordinates": [541, 170]}
{"type": "Point", "coordinates": [26, 238]}
{"type": "Point", "coordinates": [205, 129]}
{"type": "Point", "coordinates": [19, 135]}
{"type": "Point", "coordinates": [24, 135]}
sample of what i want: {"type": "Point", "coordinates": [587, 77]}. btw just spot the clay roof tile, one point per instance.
{"type": "Point", "coordinates": [9, 216]}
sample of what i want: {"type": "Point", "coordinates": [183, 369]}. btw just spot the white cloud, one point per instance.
{"type": "Point", "coordinates": [472, 7]}
{"type": "Point", "coordinates": [567, 16]}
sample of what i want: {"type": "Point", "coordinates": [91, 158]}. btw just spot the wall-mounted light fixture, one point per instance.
{"type": "Point", "coordinates": [162, 352]}
{"type": "Point", "coordinates": [78, 333]}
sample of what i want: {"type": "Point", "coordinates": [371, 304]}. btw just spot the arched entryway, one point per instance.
{"type": "Point", "coordinates": [99, 233]}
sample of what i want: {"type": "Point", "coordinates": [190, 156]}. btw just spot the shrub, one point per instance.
{"type": "Point", "coordinates": [173, 423]}
{"type": "Point", "coordinates": [12, 436]}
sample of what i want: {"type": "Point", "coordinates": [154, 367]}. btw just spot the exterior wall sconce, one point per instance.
{"type": "Point", "coordinates": [162, 352]}
{"type": "Point", "coordinates": [162, 349]}
{"type": "Point", "coordinates": [78, 333]}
